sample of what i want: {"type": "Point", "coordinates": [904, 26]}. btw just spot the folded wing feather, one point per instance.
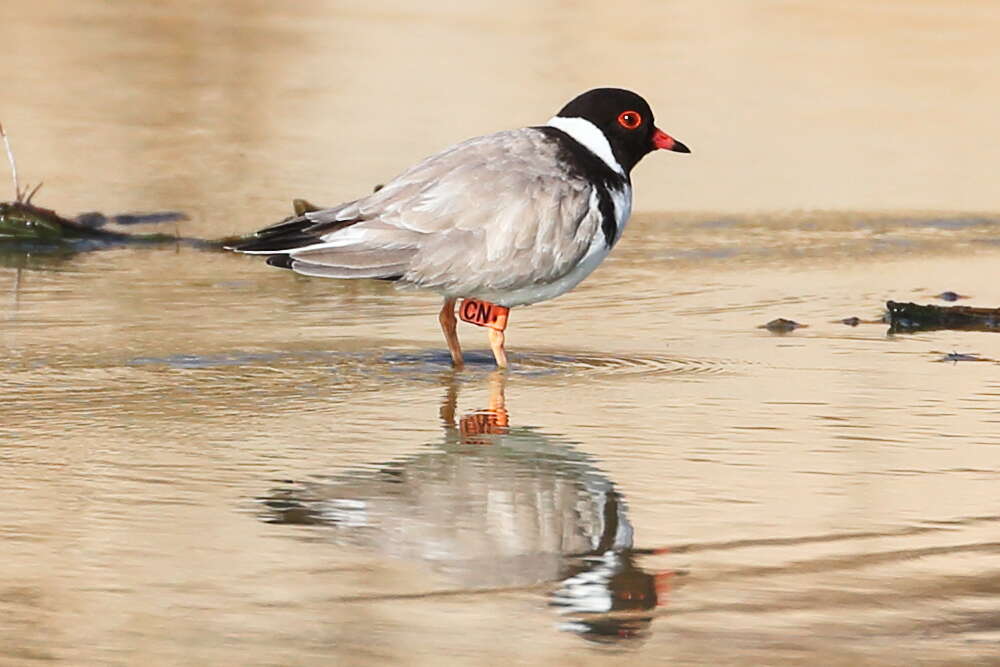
{"type": "Point", "coordinates": [491, 213]}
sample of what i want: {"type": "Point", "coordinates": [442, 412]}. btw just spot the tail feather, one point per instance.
{"type": "Point", "coordinates": [282, 261]}
{"type": "Point", "coordinates": [265, 245]}
{"type": "Point", "coordinates": [388, 272]}
{"type": "Point", "coordinates": [302, 243]}
{"type": "Point", "coordinates": [294, 232]}
{"type": "Point", "coordinates": [355, 256]}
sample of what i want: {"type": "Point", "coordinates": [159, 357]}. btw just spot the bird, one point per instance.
{"type": "Point", "coordinates": [497, 221]}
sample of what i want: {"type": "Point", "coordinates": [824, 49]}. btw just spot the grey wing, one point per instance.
{"type": "Point", "coordinates": [488, 214]}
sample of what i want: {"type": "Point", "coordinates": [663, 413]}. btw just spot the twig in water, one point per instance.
{"type": "Point", "coordinates": [13, 165]}
{"type": "Point", "coordinates": [31, 194]}
{"type": "Point", "coordinates": [20, 196]}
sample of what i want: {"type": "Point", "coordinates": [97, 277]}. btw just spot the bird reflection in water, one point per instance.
{"type": "Point", "coordinates": [494, 507]}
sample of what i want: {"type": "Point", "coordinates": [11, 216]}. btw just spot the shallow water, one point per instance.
{"type": "Point", "coordinates": [210, 461]}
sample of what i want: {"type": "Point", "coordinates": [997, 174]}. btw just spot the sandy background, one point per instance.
{"type": "Point", "coordinates": [787, 104]}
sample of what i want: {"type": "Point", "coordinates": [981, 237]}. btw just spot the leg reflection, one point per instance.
{"type": "Point", "coordinates": [493, 420]}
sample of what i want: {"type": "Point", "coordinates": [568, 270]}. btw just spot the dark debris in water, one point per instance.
{"type": "Point", "coordinates": [855, 321]}
{"type": "Point", "coordinates": [95, 219]}
{"type": "Point", "coordinates": [907, 317]}
{"type": "Point", "coordinates": [25, 222]}
{"type": "Point", "coordinates": [28, 229]}
{"type": "Point", "coordinates": [951, 296]}
{"type": "Point", "coordinates": [782, 326]}
{"type": "Point", "coordinates": [956, 357]}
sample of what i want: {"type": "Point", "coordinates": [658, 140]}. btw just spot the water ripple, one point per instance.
{"type": "Point", "coordinates": [437, 360]}
{"type": "Point", "coordinates": [570, 363]}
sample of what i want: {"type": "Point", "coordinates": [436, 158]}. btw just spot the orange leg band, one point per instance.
{"type": "Point", "coordinates": [484, 314]}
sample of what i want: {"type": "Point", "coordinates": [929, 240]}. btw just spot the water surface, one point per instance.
{"type": "Point", "coordinates": [209, 459]}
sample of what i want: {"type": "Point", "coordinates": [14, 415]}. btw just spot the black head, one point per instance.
{"type": "Point", "coordinates": [626, 121]}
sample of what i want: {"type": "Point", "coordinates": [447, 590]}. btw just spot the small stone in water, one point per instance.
{"type": "Point", "coordinates": [956, 357]}
{"type": "Point", "coordinates": [781, 325]}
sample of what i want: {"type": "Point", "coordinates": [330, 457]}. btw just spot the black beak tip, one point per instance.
{"type": "Point", "coordinates": [680, 148]}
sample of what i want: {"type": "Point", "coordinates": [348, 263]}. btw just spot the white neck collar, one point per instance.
{"type": "Point", "coordinates": [587, 135]}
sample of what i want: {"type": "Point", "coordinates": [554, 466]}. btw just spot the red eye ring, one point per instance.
{"type": "Point", "coordinates": [630, 120]}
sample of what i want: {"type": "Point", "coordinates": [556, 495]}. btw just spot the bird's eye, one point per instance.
{"type": "Point", "coordinates": [629, 119]}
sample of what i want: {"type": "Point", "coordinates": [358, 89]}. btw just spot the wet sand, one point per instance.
{"type": "Point", "coordinates": [210, 461]}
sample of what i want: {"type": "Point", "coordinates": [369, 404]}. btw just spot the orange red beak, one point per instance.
{"type": "Point", "coordinates": [663, 141]}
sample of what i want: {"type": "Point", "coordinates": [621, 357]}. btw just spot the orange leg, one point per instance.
{"type": "Point", "coordinates": [448, 321]}
{"type": "Point", "coordinates": [496, 343]}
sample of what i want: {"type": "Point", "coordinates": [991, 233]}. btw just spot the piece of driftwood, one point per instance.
{"type": "Point", "coordinates": [24, 222]}
{"type": "Point", "coordinates": [906, 317]}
